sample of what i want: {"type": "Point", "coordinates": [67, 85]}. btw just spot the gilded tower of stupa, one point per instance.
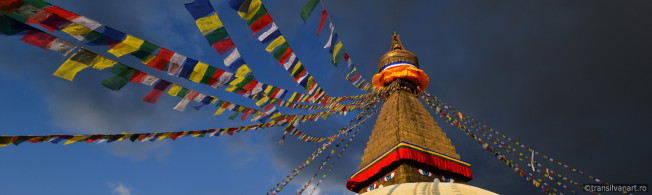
{"type": "Point", "coordinates": [407, 149]}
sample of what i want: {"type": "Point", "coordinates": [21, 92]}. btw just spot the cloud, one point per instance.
{"type": "Point", "coordinates": [120, 189]}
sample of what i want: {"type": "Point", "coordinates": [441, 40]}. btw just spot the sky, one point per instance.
{"type": "Point", "coordinates": [570, 79]}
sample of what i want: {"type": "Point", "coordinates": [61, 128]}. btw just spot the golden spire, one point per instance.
{"type": "Point", "coordinates": [396, 43]}
{"type": "Point", "coordinates": [397, 53]}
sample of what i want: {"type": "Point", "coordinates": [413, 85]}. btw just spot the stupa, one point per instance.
{"type": "Point", "coordinates": [407, 149]}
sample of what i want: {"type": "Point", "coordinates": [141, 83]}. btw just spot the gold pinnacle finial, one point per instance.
{"type": "Point", "coordinates": [396, 43]}
{"type": "Point", "coordinates": [397, 53]}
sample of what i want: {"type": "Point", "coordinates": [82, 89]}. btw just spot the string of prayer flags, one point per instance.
{"type": "Point", "coordinates": [357, 121]}
{"type": "Point", "coordinates": [278, 47]}
{"type": "Point", "coordinates": [451, 115]}
{"type": "Point", "coordinates": [336, 48]}
{"type": "Point", "coordinates": [133, 137]}
{"type": "Point", "coordinates": [35, 37]}
{"type": "Point", "coordinates": [199, 9]}
{"type": "Point", "coordinates": [165, 60]}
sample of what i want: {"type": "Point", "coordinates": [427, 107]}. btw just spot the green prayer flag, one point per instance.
{"type": "Point", "coordinates": [122, 77]}
{"type": "Point", "coordinates": [37, 3]}
{"type": "Point", "coordinates": [280, 51]}
{"type": "Point", "coordinates": [339, 56]}
{"type": "Point", "coordinates": [246, 81]}
{"type": "Point", "coordinates": [308, 8]}
{"type": "Point", "coordinates": [11, 27]}
{"type": "Point", "coordinates": [145, 50]}
{"type": "Point", "coordinates": [210, 71]}
{"type": "Point", "coordinates": [299, 70]}
{"type": "Point", "coordinates": [21, 139]}
{"type": "Point", "coordinates": [182, 92]}
{"type": "Point", "coordinates": [261, 12]}
{"type": "Point", "coordinates": [216, 36]}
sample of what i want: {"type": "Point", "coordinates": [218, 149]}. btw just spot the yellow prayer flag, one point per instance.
{"type": "Point", "coordinates": [165, 135]}
{"type": "Point", "coordinates": [174, 90]}
{"type": "Point", "coordinates": [262, 101]}
{"type": "Point", "coordinates": [253, 8]}
{"type": "Point", "coordinates": [242, 71]}
{"type": "Point", "coordinates": [232, 87]}
{"type": "Point", "coordinates": [126, 135]}
{"type": "Point", "coordinates": [268, 89]}
{"type": "Point", "coordinates": [219, 111]}
{"type": "Point", "coordinates": [278, 41]}
{"type": "Point", "coordinates": [74, 139]}
{"type": "Point", "coordinates": [102, 62]}
{"type": "Point", "coordinates": [70, 68]}
{"type": "Point", "coordinates": [296, 68]}
{"type": "Point", "coordinates": [209, 23]}
{"type": "Point", "coordinates": [338, 46]}
{"type": "Point", "coordinates": [130, 44]}
{"type": "Point", "coordinates": [76, 30]}
{"type": "Point", "coordinates": [198, 72]}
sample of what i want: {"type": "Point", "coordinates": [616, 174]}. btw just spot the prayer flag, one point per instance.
{"type": "Point", "coordinates": [77, 62]}
{"type": "Point", "coordinates": [308, 8]}
{"type": "Point", "coordinates": [161, 60]}
{"type": "Point", "coordinates": [271, 34]}
{"type": "Point", "coordinates": [38, 38]}
{"type": "Point", "coordinates": [261, 23]}
{"type": "Point", "coordinates": [224, 45]}
{"type": "Point", "coordinates": [248, 11]}
{"type": "Point", "coordinates": [145, 51]}
{"type": "Point", "coordinates": [323, 19]}
{"type": "Point", "coordinates": [209, 24]}
{"type": "Point", "coordinates": [128, 45]}
{"type": "Point", "coordinates": [216, 36]}
{"type": "Point", "coordinates": [199, 8]}
{"type": "Point", "coordinates": [277, 42]}
{"type": "Point", "coordinates": [61, 12]}
{"type": "Point", "coordinates": [187, 68]}
{"type": "Point", "coordinates": [330, 39]}
{"type": "Point", "coordinates": [175, 63]}
{"type": "Point", "coordinates": [10, 26]}
{"type": "Point", "coordinates": [198, 72]}
{"type": "Point", "coordinates": [157, 91]}
{"type": "Point", "coordinates": [122, 77]}
{"type": "Point", "coordinates": [62, 47]}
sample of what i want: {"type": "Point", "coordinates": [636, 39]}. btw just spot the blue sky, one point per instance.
{"type": "Point", "coordinates": [568, 78]}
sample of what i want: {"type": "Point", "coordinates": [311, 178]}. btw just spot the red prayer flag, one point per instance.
{"type": "Point", "coordinates": [251, 85]}
{"type": "Point", "coordinates": [216, 76]}
{"type": "Point", "coordinates": [38, 38]}
{"type": "Point", "coordinates": [354, 77]}
{"type": "Point", "coordinates": [138, 76]}
{"type": "Point", "coordinates": [53, 22]}
{"type": "Point", "coordinates": [247, 112]}
{"type": "Point", "coordinates": [285, 56]}
{"type": "Point", "coordinates": [157, 91]}
{"type": "Point", "coordinates": [9, 6]}
{"type": "Point", "coordinates": [61, 12]}
{"type": "Point", "coordinates": [161, 60]}
{"type": "Point", "coordinates": [346, 56]}
{"type": "Point", "coordinates": [261, 23]}
{"type": "Point", "coordinates": [224, 45]}
{"type": "Point", "coordinates": [323, 18]}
